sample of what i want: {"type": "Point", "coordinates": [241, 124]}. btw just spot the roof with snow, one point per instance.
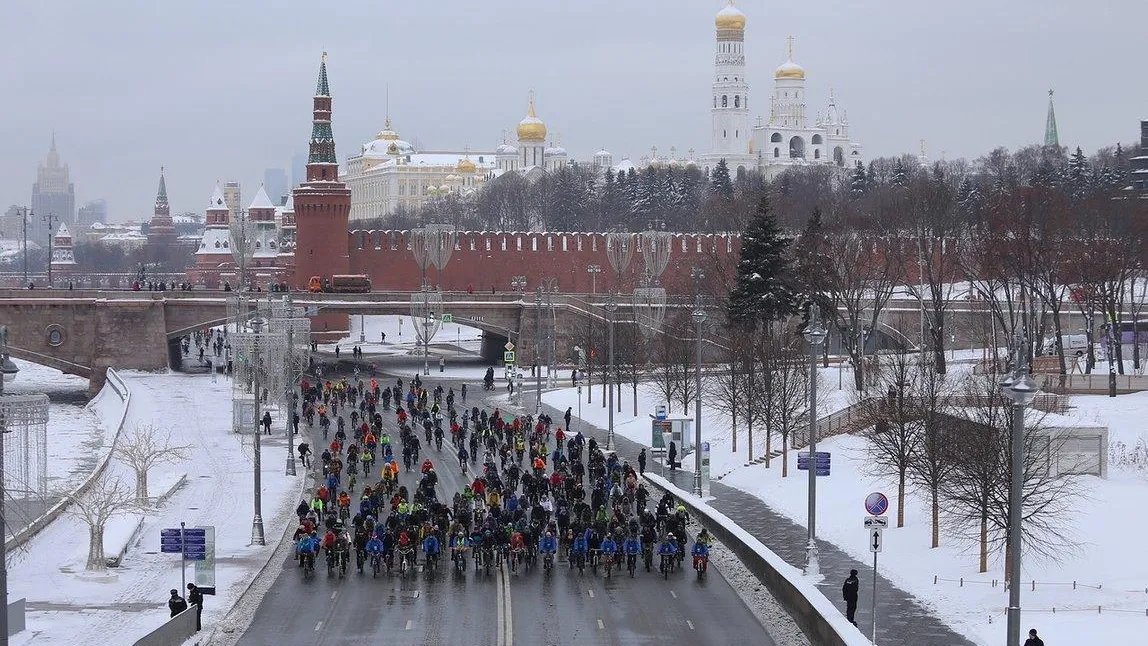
{"type": "Point", "coordinates": [217, 201]}
{"type": "Point", "coordinates": [63, 232]}
{"type": "Point", "coordinates": [261, 200]}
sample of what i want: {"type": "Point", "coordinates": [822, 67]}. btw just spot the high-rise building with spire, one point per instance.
{"type": "Point", "coordinates": [322, 203]}
{"type": "Point", "coordinates": [52, 194]}
{"type": "Point", "coordinates": [1051, 136]}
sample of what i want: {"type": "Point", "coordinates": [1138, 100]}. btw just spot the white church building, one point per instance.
{"type": "Point", "coordinates": [787, 138]}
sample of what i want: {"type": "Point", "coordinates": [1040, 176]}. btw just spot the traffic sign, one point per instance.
{"type": "Point", "coordinates": [821, 462]}
{"type": "Point", "coordinates": [660, 412]}
{"type": "Point", "coordinates": [448, 318]}
{"type": "Point", "coordinates": [876, 542]}
{"type": "Point", "coordinates": [508, 357]}
{"type": "Point", "coordinates": [876, 522]}
{"type": "Point", "coordinates": [876, 503]}
{"type": "Point", "coordinates": [509, 346]}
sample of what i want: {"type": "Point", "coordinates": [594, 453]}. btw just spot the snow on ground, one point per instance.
{"type": "Point", "coordinates": [69, 609]}
{"type": "Point", "coordinates": [401, 337]}
{"type": "Point", "coordinates": [1106, 523]}
{"type": "Point", "coordinates": [76, 437]}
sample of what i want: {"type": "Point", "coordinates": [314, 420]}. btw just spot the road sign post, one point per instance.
{"type": "Point", "coordinates": [876, 504]}
{"type": "Point", "coordinates": [447, 318]}
{"type": "Point", "coordinates": [821, 464]}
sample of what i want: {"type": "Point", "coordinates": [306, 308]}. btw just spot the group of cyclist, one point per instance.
{"type": "Point", "coordinates": [533, 494]}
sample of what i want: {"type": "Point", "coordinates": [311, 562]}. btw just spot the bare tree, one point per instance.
{"type": "Point", "coordinates": [895, 437]}
{"type": "Point", "coordinates": [932, 463]}
{"type": "Point", "coordinates": [143, 448]}
{"type": "Point", "coordinates": [784, 386]}
{"type": "Point", "coordinates": [859, 283]}
{"type": "Point", "coordinates": [106, 498]}
{"type": "Point", "coordinates": [978, 492]}
{"type": "Point", "coordinates": [726, 389]}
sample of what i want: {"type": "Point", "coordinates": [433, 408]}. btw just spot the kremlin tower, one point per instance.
{"type": "Point", "coordinates": [161, 236]}
{"type": "Point", "coordinates": [322, 203]}
{"type": "Point", "coordinates": [214, 253]}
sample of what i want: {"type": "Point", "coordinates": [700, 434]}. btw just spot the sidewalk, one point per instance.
{"type": "Point", "coordinates": [901, 619]}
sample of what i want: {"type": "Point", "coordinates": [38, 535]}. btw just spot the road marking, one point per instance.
{"type": "Point", "coordinates": [509, 613]}
{"type": "Point", "coordinates": [410, 622]}
{"type": "Point", "coordinates": [591, 593]}
{"type": "Point", "coordinates": [601, 626]}
{"type": "Point", "coordinates": [318, 626]}
{"type": "Point", "coordinates": [673, 594]}
{"type": "Point", "coordinates": [501, 641]}
{"type": "Point", "coordinates": [690, 624]}
{"type": "Point", "coordinates": [334, 593]}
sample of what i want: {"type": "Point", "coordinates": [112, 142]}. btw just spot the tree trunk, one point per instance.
{"type": "Point", "coordinates": [141, 487]}
{"type": "Point", "coordinates": [984, 542]}
{"type": "Point", "coordinates": [937, 331]}
{"type": "Point", "coordinates": [635, 398]}
{"type": "Point", "coordinates": [900, 498]}
{"type": "Point", "coordinates": [936, 504]}
{"type": "Point", "coordinates": [784, 455]}
{"type": "Point", "coordinates": [96, 561]}
{"type": "Point", "coordinates": [768, 448]}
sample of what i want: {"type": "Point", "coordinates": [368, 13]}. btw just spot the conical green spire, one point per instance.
{"type": "Point", "coordinates": [1051, 137]}
{"type": "Point", "coordinates": [161, 195]}
{"type": "Point", "coordinates": [321, 88]}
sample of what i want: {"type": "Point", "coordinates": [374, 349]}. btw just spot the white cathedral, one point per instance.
{"type": "Point", "coordinates": [786, 139]}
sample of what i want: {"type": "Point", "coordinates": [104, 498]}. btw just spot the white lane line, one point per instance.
{"type": "Point", "coordinates": [410, 622]}
{"type": "Point", "coordinates": [690, 624]}
{"type": "Point", "coordinates": [601, 626]}
{"type": "Point", "coordinates": [334, 593]}
{"type": "Point", "coordinates": [501, 638]}
{"type": "Point", "coordinates": [509, 613]}
{"type": "Point", "coordinates": [673, 594]}
{"type": "Point", "coordinates": [591, 593]}
{"type": "Point", "coordinates": [318, 626]}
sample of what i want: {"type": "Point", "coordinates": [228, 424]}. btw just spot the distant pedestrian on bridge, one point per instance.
{"type": "Point", "coordinates": [176, 604]}
{"type": "Point", "coordinates": [195, 598]}
{"type": "Point", "coordinates": [1033, 640]}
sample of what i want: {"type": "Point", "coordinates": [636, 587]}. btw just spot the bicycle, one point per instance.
{"type": "Point", "coordinates": [609, 564]}
{"type": "Point", "coordinates": [460, 560]}
{"type": "Point", "coordinates": [405, 561]}
{"type": "Point", "coordinates": [648, 556]}
{"type": "Point", "coordinates": [547, 562]}
{"type": "Point", "coordinates": [330, 562]}
{"type": "Point", "coordinates": [376, 564]}
{"type": "Point", "coordinates": [667, 566]}
{"type": "Point", "coordinates": [701, 564]}
{"type": "Point", "coordinates": [631, 563]}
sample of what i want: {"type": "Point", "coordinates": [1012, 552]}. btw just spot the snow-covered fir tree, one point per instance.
{"type": "Point", "coordinates": [764, 289]}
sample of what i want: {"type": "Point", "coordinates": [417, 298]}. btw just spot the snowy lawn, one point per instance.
{"type": "Point", "coordinates": [67, 607]}
{"type": "Point", "coordinates": [401, 338]}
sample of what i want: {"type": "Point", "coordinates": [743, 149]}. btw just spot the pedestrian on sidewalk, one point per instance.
{"type": "Point", "coordinates": [849, 593]}
{"type": "Point", "coordinates": [1033, 640]}
{"type": "Point", "coordinates": [267, 423]}
{"type": "Point", "coordinates": [176, 604]}
{"type": "Point", "coordinates": [642, 461]}
{"type": "Point", "coordinates": [442, 364]}
{"type": "Point", "coordinates": [567, 416]}
{"type": "Point", "coordinates": [673, 456]}
{"type": "Point", "coordinates": [195, 598]}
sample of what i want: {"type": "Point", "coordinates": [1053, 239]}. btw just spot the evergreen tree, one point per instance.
{"type": "Point", "coordinates": [720, 183]}
{"type": "Point", "coordinates": [858, 184]}
{"type": "Point", "coordinates": [900, 176]}
{"type": "Point", "coordinates": [764, 288]}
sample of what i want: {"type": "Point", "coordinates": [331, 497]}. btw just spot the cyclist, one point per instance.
{"type": "Point", "coordinates": [632, 546]}
{"type": "Point", "coordinates": [427, 465]}
{"type": "Point", "coordinates": [548, 544]}
{"type": "Point", "coordinates": [308, 546]}
{"type": "Point", "coordinates": [700, 551]}
{"type": "Point", "coordinates": [578, 549]}
{"type": "Point", "coordinates": [431, 547]}
{"type": "Point", "coordinates": [668, 548]}
{"type": "Point", "coordinates": [609, 546]}
{"type": "Point", "coordinates": [458, 545]}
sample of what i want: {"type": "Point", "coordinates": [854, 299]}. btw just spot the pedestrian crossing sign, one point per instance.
{"type": "Point", "coordinates": [508, 357]}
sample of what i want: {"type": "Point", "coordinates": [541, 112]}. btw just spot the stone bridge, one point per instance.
{"type": "Point", "coordinates": [83, 332]}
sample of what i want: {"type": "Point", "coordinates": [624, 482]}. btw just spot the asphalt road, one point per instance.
{"type": "Point", "coordinates": [500, 608]}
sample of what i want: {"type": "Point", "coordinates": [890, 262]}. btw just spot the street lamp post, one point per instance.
{"type": "Point", "coordinates": [518, 284]}
{"type": "Point", "coordinates": [257, 536]}
{"type": "Point", "coordinates": [537, 347]}
{"type": "Point", "coordinates": [815, 335]}
{"type": "Point", "coordinates": [1020, 388]}
{"type": "Point", "coordinates": [611, 307]}
{"type": "Point", "coordinates": [594, 270]}
{"type": "Point", "coordinates": [699, 317]}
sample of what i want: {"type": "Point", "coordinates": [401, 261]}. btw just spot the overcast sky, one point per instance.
{"type": "Point", "coordinates": [221, 89]}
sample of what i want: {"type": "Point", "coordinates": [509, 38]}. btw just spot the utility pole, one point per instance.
{"type": "Point", "coordinates": [257, 535]}
{"type": "Point", "coordinates": [25, 212]}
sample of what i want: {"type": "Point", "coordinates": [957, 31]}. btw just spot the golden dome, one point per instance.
{"type": "Point", "coordinates": [466, 166]}
{"type": "Point", "coordinates": [790, 70]}
{"type": "Point", "coordinates": [730, 18]}
{"type": "Point", "coordinates": [386, 133]}
{"type": "Point", "coordinates": [531, 127]}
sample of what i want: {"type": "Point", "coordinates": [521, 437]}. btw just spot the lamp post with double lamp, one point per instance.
{"type": "Point", "coordinates": [699, 316]}
{"type": "Point", "coordinates": [593, 270]}
{"type": "Point", "coordinates": [518, 284]}
{"type": "Point", "coordinates": [257, 535]}
{"type": "Point", "coordinates": [815, 335]}
{"type": "Point", "coordinates": [611, 307]}
{"type": "Point", "coordinates": [1021, 390]}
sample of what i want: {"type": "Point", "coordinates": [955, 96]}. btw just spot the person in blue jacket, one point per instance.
{"type": "Point", "coordinates": [609, 545]}
{"type": "Point", "coordinates": [431, 546]}
{"type": "Point", "coordinates": [374, 545]}
{"type": "Point", "coordinates": [548, 544]}
{"type": "Point", "coordinates": [578, 548]}
{"type": "Point", "coordinates": [632, 546]}
{"type": "Point", "coordinates": [669, 546]}
{"type": "Point", "coordinates": [308, 546]}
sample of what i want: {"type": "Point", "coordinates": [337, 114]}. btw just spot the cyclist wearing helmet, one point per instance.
{"type": "Point", "coordinates": [548, 544]}
{"type": "Point", "coordinates": [609, 545]}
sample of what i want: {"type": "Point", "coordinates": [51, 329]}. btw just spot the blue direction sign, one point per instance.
{"type": "Point", "coordinates": [821, 463]}
{"type": "Point", "coordinates": [171, 540]}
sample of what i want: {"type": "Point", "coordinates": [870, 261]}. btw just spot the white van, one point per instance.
{"type": "Point", "coordinates": [1075, 345]}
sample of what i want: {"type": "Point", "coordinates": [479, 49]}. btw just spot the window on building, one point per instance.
{"type": "Point", "coordinates": [519, 241]}
{"type": "Point", "coordinates": [564, 244]}
{"type": "Point", "coordinates": [775, 138]}
{"type": "Point", "coordinates": [472, 244]}
{"type": "Point", "coordinates": [578, 241]}
{"type": "Point", "coordinates": [593, 244]}
{"type": "Point", "coordinates": [776, 152]}
{"type": "Point", "coordinates": [817, 153]}
{"type": "Point", "coordinates": [816, 140]}
{"type": "Point", "coordinates": [533, 243]}
{"type": "Point", "coordinates": [736, 101]}
{"type": "Point", "coordinates": [549, 243]}
{"type": "Point", "coordinates": [724, 101]}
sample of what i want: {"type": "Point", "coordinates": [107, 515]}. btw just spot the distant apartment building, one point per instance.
{"type": "Point", "coordinates": [231, 197]}
{"type": "Point", "coordinates": [1139, 174]}
{"type": "Point", "coordinates": [90, 213]}
{"type": "Point", "coordinates": [53, 194]}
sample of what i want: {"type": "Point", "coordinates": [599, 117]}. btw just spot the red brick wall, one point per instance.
{"type": "Point", "coordinates": [383, 255]}
{"type": "Point", "coordinates": [321, 217]}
